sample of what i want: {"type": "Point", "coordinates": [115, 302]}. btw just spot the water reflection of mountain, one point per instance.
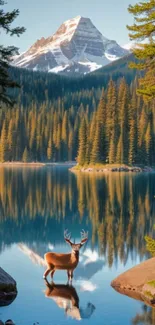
{"type": "Point", "coordinates": [118, 210]}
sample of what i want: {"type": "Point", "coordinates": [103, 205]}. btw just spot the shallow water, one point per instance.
{"type": "Point", "coordinates": [37, 205]}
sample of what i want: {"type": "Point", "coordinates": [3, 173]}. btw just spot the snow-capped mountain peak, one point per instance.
{"type": "Point", "coordinates": [76, 47]}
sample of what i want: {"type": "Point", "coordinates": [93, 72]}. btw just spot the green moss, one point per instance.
{"type": "Point", "coordinates": [150, 245]}
{"type": "Point", "coordinates": [151, 283]}
{"type": "Point", "coordinates": [148, 294]}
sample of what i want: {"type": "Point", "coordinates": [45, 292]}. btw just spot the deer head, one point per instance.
{"type": "Point", "coordinates": [76, 247]}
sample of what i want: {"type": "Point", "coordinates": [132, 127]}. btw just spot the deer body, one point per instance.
{"type": "Point", "coordinates": [68, 262]}
{"type": "Point", "coordinates": [62, 261]}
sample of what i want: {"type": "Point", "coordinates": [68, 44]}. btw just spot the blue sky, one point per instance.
{"type": "Point", "coordinates": [43, 17]}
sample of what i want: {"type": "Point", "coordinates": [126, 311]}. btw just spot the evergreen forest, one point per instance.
{"type": "Point", "coordinates": [61, 119]}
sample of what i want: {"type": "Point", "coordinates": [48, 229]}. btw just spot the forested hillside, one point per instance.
{"type": "Point", "coordinates": [40, 86]}
{"type": "Point", "coordinates": [56, 120]}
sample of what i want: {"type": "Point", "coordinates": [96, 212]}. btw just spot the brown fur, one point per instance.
{"type": "Point", "coordinates": [68, 262]}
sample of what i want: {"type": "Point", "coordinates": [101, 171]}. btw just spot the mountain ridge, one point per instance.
{"type": "Point", "coordinates": [76, 47]}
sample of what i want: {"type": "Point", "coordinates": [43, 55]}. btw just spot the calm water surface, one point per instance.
{"type": "Point", "coordinates": [36, 205]}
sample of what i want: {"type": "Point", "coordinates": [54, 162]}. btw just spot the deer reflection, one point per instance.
{"type": "Point", "coordinates": [68, 262]}
{"type": "Point", "coordinates": [67, 298]}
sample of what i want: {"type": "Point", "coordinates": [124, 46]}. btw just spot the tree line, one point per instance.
{"type": "Point", "coordinates": [97, 126]}
{"type": "Point", "coordinates": [45, 131]}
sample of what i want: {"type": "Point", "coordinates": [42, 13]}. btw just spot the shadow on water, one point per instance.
{"type": "Point", "coordinates": [66, 297]}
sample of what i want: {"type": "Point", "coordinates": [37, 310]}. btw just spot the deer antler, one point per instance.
{"type": "Point", "coordinates": [67, 236]}
{"type": "Point", "coordinates": [84, 236]}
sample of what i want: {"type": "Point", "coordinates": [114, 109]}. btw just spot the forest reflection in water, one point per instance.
{"type": "Point", "coordinates": [37, 204]}
{"type": "Point", "coordinates": [146, 317]}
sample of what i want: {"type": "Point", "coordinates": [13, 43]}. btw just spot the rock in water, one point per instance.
{"type": "Point", "coordinates": [8, 322]}
{"type": "Point", "coordinates": [8, 289]}
{"type": "Point", "coordinates": [138, 282]}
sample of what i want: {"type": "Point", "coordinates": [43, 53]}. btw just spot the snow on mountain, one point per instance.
{"type": "Point", "coordinates": [77, 47]}
{"type": "Point", "coordinates": [131, 46]}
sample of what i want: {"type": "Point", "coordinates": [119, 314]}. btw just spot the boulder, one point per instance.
{"type": "Point", "coordinates": [8, 322]}
{"type": "Point", "coordinates": [8, 289]}
{"type": "Point", "coordinates": [138, 282]}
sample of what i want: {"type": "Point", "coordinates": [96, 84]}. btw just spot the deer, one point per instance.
{"type": "Point", "coordinates": [68, 262]}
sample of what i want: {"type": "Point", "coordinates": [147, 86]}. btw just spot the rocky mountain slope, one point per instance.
{"type": "Point", "coordinates": [77, 47]}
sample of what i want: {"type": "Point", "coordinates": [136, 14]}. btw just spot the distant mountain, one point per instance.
{"type": "Point", "coordinates": [76, 48]}
{"type": "Point", "coordinates": [130, 46]}
{"type": "Point", "coordinates": [120, 66]}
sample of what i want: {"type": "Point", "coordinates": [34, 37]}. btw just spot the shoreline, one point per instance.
{"type": "Point", "coordinates": [35, 164]}
{"type": "Point", "coordinates": [21, 164]}
{"type": "Point", "coordinates": [73, 167]}
{"type": "Point", "coordinates": [112, 168]}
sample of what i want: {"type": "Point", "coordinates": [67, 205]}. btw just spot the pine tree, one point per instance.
{"type": "Point", "coordinates": [6, 53]}
{"type": "Point", "coordinates": [142, 126]}
{"type": "Point", "coordinates": [111, 122]}
{"type": "Point", "coordinates": [88, 146]}
{"type": "Point", "coordinates": [102, 120]}
{"type": "Point", "coordinates": [50, 149]}
{"type": "Point", "coordinates": [133, 133]}
{"type": "Point", "coordinates": [92, 131]}
{"type": "Point", "coordinates": [96, 152]}
{"type": "Point", "coordinates": [76, 136]}
{"type": "Point", "coordinates": [82, 143]}
{"type": "Point", "coordinates": [3, 144]}
{"type": "Point", "coordinates": [112, 150]}
{"type": "Point", "coordinates": [59, 144]}
{"type": "Point", "coordinates": [144, 29]}
{"type": "Point", "coordinates": [70, 144]}
{"type": "Point", "coordinates": [123, 120]}
{"type": "Point", "coordinates": [65, 135]}
{"type": "Point", "coordinates": [120, 149]}
{"type": "Point", "coordinates": [25, 157]}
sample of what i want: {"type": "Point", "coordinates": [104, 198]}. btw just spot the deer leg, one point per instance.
{"type": "Point", "coordinates": [52, 274]}
{"type": "Point", "coordinates": [71, 276]}
{"type": "Point", "coordinates": [46, 273]}
{"type": "Point", "coordinates": [68, 276]}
